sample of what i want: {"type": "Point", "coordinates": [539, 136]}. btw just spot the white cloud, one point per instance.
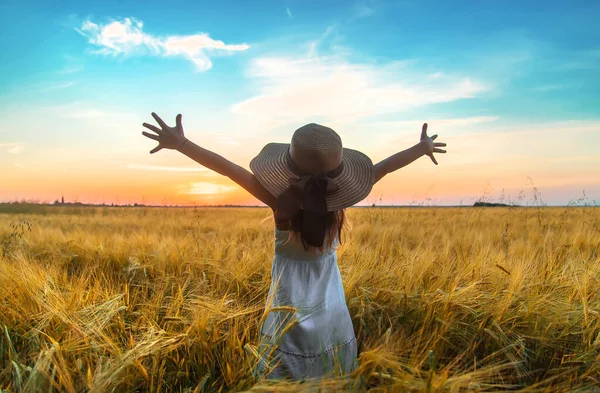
{"type": "Point", "coordinates": [12, 148]}
{"type": "Point", "coordinates": [289, 13]}
{"type": "Point", "coordinates": [84, 113]}
{"type": "Point", "coordinates": [127, 37]}
{"type": "Point", "coordinates": [165, 168]}
{"type": "Point", "coordinates": [377, 136]}
{"type": "Point", "coordinates": [551, 87]}
{"type": "Point", "coordinates": [314, 45]}
{"type": "Point", "coordinates": [225, 140]}
{"type": "Point", "coordinates": [559, 138]}
{"type": "Point", "coordinates": [205, 188]}
{"type": "Point", "coordinates": [110, 116]}
{"type": "Point", "coordinates": [297, 89]}
{"type": "Point", "coordinates": [59, 87]}
{"type": "Point", "coordinates": [458, 122]}
{"type": "Point", "coordinates": [70, 70]}
{"type": "Point", "coordinates": [362, 11]}
{"type": "Point", "coordinates": [15, 150]}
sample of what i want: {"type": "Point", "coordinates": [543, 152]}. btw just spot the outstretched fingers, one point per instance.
{"type": "Point", "coordinates": [160, 132]}
{"type": "Point", "coordinates": [153, 128]}
{"type": "Point", "coordinates": [178, 121]}
{"type": "Point", "coordinates": [157, 148]}
{"type": "Point", "coordinates": [436, 146]}
{"type": "Point", "coordinates": [159, 120]}
{"type": "Point", "coordinates": [151, 136]}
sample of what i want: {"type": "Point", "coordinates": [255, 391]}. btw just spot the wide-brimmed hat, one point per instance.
{"type": "Point", "coordinates": [315, 150]}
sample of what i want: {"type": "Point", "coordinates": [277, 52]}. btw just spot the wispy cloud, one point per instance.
{"type": "Point", "coordinates": [165, 168]}
{"type": "Point", "coordinates": [551, 87]}
{"type": "Point", "coordinates": [362, 10]}
{"type": "Point", "coordinates": [110, 115]}
{"type": "Point", "coordinates": [83, 113]}
{"type": "Point", "coordinates": [12, 148]}
{"type": "Point", "coordinates": [127, 37]}
{"type": "Point", "coordinates": [289, 13]}
{"type": "Point", "coordinates": [314, 45]}
{"type": "Point", "coordinates": [59, 87]}
{"type": "Point", "coordinates": [205, 188]}
{"type": "Point", "coordinates": [331, 87]}
{"type": "Point", "coordinates": [457, 122]}
{"type": "Point", "coordinates": [401, 132]}
{"type": "Point", "coordinates": [579, 65]}
{"type": "Point", "coordinates": [226, 140]}
{"type": "Point", "coordinates": [577, 60]}
{"type": "Point", "coordinates": [70, 70]}
{"type": "Point", "coordinates": [515, 144]}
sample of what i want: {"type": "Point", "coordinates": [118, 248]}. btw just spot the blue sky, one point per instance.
{"type": "Point", "coordinates": [511, 84]}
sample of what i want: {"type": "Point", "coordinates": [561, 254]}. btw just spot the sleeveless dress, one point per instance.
{"type": "Point", "coordinates": [307, 332]}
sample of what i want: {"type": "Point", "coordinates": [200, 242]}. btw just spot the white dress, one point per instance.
{"type": "Point", "coordinates": [308, 332]}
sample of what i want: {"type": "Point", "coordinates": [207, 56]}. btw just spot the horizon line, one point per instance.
{"type": "Point", "coordinates": [81, 204]}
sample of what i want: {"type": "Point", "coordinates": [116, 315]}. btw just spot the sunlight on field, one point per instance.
{"type": "Point", "coordinates": [169, 300]}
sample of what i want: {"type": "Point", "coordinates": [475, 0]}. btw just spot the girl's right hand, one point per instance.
{"type": "Point", "coordinates": [167, 137]}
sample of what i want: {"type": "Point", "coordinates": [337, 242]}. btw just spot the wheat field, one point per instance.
{"type": "Point", "coordinates": [100, 299]}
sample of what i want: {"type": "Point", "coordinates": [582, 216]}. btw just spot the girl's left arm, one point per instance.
{"type": "Point", "coordinates": [425, 147]}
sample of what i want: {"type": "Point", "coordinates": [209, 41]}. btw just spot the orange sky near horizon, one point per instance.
{"type": "Point", "coordinates": [476, 165]}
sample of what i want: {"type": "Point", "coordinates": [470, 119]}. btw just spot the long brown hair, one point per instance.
{"type": "Point", "coordinates": [335, 221]}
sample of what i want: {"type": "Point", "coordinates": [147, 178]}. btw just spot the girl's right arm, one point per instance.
{"type": "Point", "coordinates": [174, 138]}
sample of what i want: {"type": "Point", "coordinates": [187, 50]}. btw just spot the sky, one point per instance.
{"type": "Point", "coordinates": [511, 86]}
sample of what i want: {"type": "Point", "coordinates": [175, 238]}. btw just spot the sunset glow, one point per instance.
{"type": "Point", "coordinates": [512, 89]}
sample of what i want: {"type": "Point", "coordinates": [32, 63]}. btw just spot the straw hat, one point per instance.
{"type": "Point", "coordinates": [315, 150]}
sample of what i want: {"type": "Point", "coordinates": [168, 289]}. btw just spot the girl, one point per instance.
{"type": "Point", "coordinates": [307, 183]}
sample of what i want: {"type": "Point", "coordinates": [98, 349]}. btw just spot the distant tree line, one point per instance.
{"type": "Point", "coordinates": [489, 204]}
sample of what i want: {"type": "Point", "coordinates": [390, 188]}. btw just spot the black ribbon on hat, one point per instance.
{"type": "Point", "coordinates": [308, 193]}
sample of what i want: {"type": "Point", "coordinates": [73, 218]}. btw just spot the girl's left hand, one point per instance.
{"type": "Point", "coordinates": [429, 146]}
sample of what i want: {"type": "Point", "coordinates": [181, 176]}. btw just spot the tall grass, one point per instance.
{"type": "Point", "coordinates": [169, 300]}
